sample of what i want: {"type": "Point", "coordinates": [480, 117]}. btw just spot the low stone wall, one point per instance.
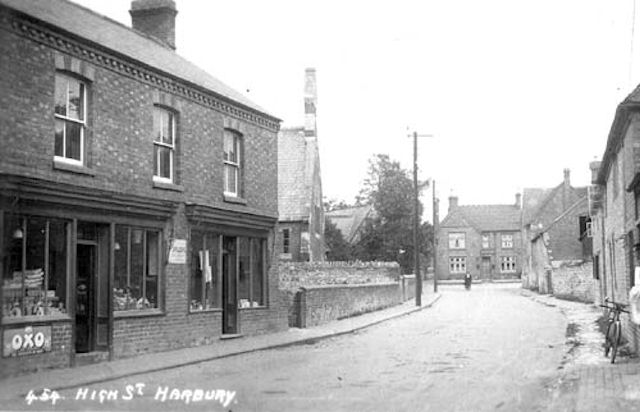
{"type": "Point", "coordinates": [294, 275]}
{"type": "Point", "coordinates": [315, 305]}
{"type": "Point", "coordinates": [573, 280]}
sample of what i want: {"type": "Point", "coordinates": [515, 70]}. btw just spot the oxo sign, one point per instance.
{"type": "Point", "coordinates": [26, 341]}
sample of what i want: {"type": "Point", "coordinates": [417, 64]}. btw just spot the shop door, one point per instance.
{"type": "Point", "coordinates": [486, 268]}
{"type": "Point", "coordinates": [229, 285]}
{"type": "Point", "coordinates": [85, 299]}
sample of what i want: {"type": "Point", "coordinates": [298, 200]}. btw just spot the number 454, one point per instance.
{"type": "Point", "coordinates": [47, 395]}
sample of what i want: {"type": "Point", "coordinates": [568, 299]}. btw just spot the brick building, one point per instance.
{"type": "Point", "coordinates": [301, 221]}
{"type": "Point", "coordinates": [351, 221]}
{"type": "Point", "coordinates": [138, 199]}
{"type": "Point", "coordinates": [615, 208]}
{"type": "Point", "coordinates": [483, 240]}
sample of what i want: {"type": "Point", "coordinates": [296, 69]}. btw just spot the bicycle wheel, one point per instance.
{"type": "Point", "coordinates": [607, 340]}
{"type": "Point", "coordinates": [615, 341]}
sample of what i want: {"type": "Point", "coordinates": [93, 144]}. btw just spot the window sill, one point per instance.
{"type": "Point", "coordinates": [254, 307]}
{"type": "Point", "coordinates": [73, 168]}
{"type": "Point", "coordinates": [167, 186]}
{"type": "Point", "coordinates": [234, 199]}
{"type": "Point", "coordinates": [214, 310]}
{"type": "Point", "coordinates": [16, 320]}
{"type": "Point", "coordinates": [137, 313]}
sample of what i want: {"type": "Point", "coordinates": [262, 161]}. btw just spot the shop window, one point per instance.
{"type": "Point", "coordinates": [508, 264]}
{"type": "Point", "coordinates": [205, 279]}
{"type": "Point", "coordinates": [286, 240]}
{"type": "Point", "coordinates": [251, 277]}
{"type": "Point", "coordinates": [70, 119]}
{"type": "Point", "coordinates": [34, 266]}
{"type": "Point", "coordinates": [458, 265]}
{"type": "Point", "coordinates": [137, 269]}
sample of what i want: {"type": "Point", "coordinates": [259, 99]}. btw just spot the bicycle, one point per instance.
{"type": "Point", "coordinates": [613, 336]}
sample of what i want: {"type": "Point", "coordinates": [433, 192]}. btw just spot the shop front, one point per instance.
{"type": "Point", "coordinates": [69, 262]}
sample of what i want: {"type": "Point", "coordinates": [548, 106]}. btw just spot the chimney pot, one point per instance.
{"type": "Point", "coordinates": [567, 179]}
{"type": "Point", "coordinates": [518, 200]}
{"type": "Point", "coordinates": [156, 18]}
{"type": "Point", "coordinates": [595, 169]}
{"type": "Point", "coordinates": [453, 202]}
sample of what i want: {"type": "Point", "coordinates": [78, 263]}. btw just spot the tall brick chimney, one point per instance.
{"type": "Point", "coordinates": [453, 202]}
{"type": "Point", "coordinates": [156, 18]}
{"type": "Point", "coordinates": [310, 102]}
{"type": "Point", "coordinates": [595, 168]}
{"type": "Point", "coordinates": [518, 200]}
{"type": "Point", "coordinates": [565, 189]}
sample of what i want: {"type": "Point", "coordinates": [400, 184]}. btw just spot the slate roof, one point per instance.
{"type": "Point", "coordinates": [350, 221]}
{"type": "Point", "coordinates": [295, 175]}
{"type": "Point", "coordinates": [107, 33]}
{"type": "Point", "coordinates": [484, 218]}
{"type": "Point", "coordinates": [535, 199]}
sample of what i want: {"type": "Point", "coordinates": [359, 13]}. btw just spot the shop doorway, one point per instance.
{"type": "Point", "coordinates": [92, 288]}
{"type": "Point", "coordinates": [229, 286]}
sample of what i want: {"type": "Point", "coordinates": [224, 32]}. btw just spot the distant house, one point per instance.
{"type": "Point", "coordinates": [351, 221]}
{"type": "Point", "coordinates": [301, 214]}
{"type": "Point", "coordinates": [556, 228]}
{"type": "Point", "coordinates": [483, 240]}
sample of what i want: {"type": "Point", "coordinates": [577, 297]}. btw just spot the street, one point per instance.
{"type": "Point", "coordinates": [486, 349]}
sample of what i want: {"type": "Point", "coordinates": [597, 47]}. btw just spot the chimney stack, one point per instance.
{"type": "Point", "coordinates": [518, 200]}
{"type": "Point", "coordinates": [453, 203]}
{"type": "Point", "coordinates": [595, 169]}
{"type": "Point", "coordinates": [310, 102]}
{"type": "Point", "coordinates": [156, 18]}
{"type": "Point", "coordinates": [567, 180]}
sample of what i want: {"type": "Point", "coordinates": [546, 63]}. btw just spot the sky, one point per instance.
{"type": "Point", "coordinates": [512, 92]}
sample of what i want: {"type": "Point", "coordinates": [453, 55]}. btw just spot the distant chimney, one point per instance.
{"type": "Point", "coordinates": [156, 18]}
{"type": "Point", "coordinates": [310, 102]}
{"type": "Point", "coordinates": [453, 203]}
{"type": "Point", "coordinates": [595, 169]}
{"type": "Point", "coordinates": [518, 200]}
{"type": "Point", "coordinates": [567, 179]}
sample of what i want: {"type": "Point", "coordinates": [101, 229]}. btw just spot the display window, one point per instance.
{"type": "Point", "coordinates": [204, 285]}
{"type": "Point", "coordinates": [137, 284]}
{"type": "Point", "coordinates": [35, 267]}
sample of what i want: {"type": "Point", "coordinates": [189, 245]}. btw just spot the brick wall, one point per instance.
{"type": "Point", "coordinates": [58, 357]}
{"type": "Point", "coordinates": [316, 305]}
{"type": "Point", "coordinates": [573, 280]}
{"type": "Point", "coordinates": [297, 274]}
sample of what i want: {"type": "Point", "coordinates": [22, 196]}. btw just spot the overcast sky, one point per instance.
{"type": "Point", "coordinates": [513, 91]}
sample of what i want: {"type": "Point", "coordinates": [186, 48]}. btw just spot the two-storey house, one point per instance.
{"type": "Point", "coordinates": [138, 193]}
{"type": "Point", "coordinates": [483, 240]}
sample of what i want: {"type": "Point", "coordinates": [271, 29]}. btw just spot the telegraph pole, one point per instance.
{"type": "Point", "coordinates": [435, 238]}
{"type": "Point", "coordinates": [416, 223]}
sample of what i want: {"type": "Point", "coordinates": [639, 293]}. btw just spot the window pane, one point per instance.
{"type": "Point", "coordinates": [230, 178]}
{"type": "Point", "coordinates": [34, 275]}
{"type": "Point", "coordinates": [167, 128]}
{"type": "Point", "coordinates": [257, 272]}
{"type": "Point", "coordinates": [157, 124]}
{"type": "Point", "coordinates": [212, 281]}
{"type": "Point", "coordinates": [165, 162]}
{"type": "Point", "coordinates": [122, 299]}
{"type": "Point", "coordinates": [198, 264]}
{"type": "Point", "coordinates": [57, 290]}
{"type": "Point", "coordinates": [137, 263]}
{"type": "Point", "coordinates": [230, 147]}
{"type": "Point", "coordinates": [60, 97]}
{"type": "Point", "coordinates": [59, 138]}
{"type": "Point", "coordinates": [76, 100]}
{"type": "Point", "coordinates": [73, 134]}
{"type": "Point", "coordinates": [245, 273]}
{"type": "Point", "coordinates": [12, 274]}
{"type": "Point", "coordinates": [153, 270]}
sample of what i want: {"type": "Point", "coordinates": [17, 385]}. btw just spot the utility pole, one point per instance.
{"type": "Point", "coordinates": [435, 238]}
{"type": "Point", "coordinates": [416, 223]}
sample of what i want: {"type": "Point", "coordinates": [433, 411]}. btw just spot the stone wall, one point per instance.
{"type": "Point", "coordinates": [573, 280]}
{"type": "Point", "coordinates": [315, 305]}
{"type": "Point", "coordinates": [294, 275]}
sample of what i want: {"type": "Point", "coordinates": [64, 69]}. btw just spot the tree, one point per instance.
{"type": "Point", "coordinates": [389, 235]}
{"type": "Point", "coordinates": [338, 249]}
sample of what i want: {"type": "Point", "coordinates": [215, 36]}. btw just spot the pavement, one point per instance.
{"type": "Point", "coordinates": [59, 379]}
{"type": "Point", "coordinates": [587, 381]}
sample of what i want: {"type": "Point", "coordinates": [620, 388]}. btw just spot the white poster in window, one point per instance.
{"type": "Point", "coordinates": [178, 252]}
{"type": "Point", "coordinates": [636, 276]}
